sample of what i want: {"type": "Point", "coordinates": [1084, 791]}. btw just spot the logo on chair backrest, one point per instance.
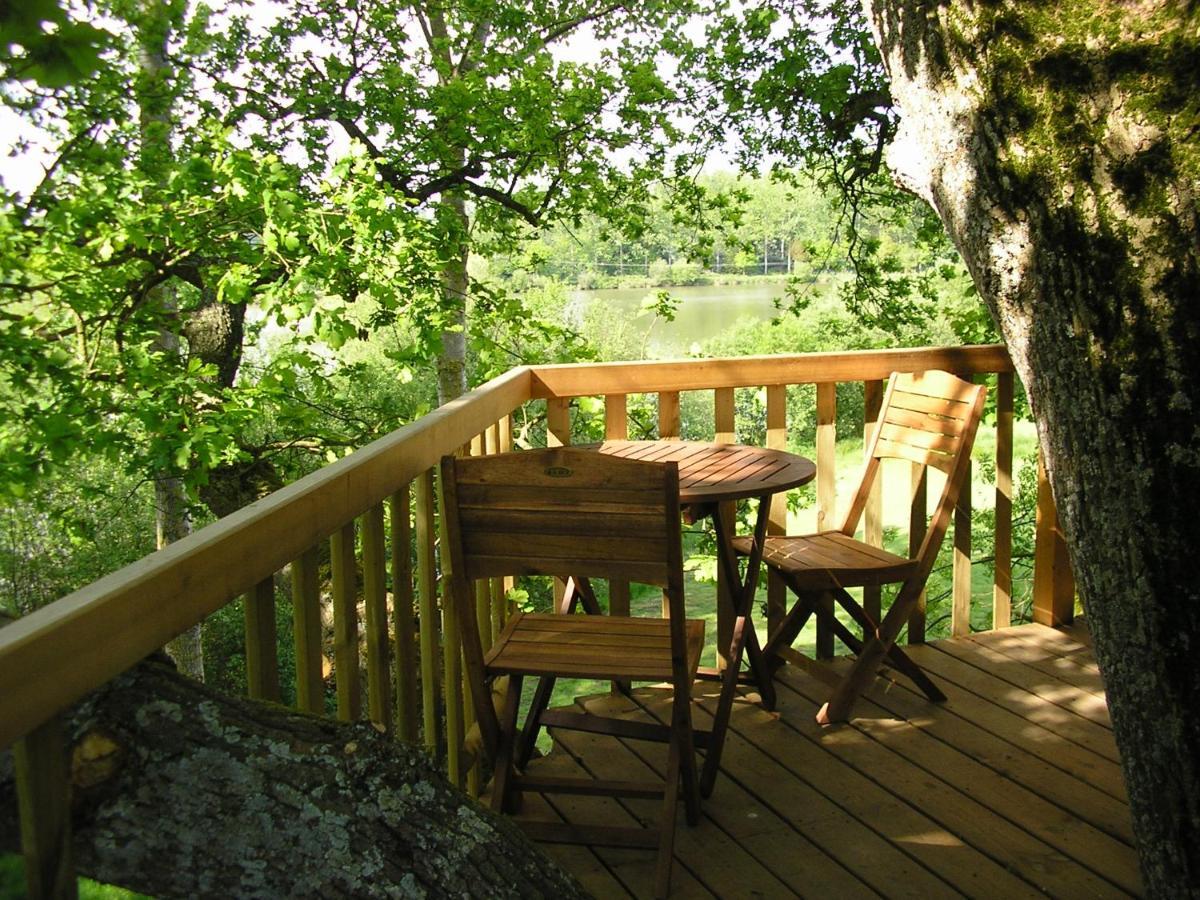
{"type": "Point", "coordinates": [559, 472]}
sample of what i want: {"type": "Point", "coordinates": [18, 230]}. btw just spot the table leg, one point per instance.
{"type": "Point", "coordinates": [744, 636]}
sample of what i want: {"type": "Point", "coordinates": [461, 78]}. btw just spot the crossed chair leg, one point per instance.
{"type": "Point", "coordinates": [821, 604]}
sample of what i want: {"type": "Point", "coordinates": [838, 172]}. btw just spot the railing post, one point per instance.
{"type": "Point", "coordinates": [616, 428]}
{"type": "Point", "coordinates": [262, 658]}
{"type": "Point", "coordinates": [452, 667]}
{"type": "Point", "coordinates": [1053, 581]}
{"type": "Point", "coordinates": [379, 674]}
{"type": "Point", "coordinates": [826, 485]}
{"type": "Point", "coordinates": [402, 616]}
{"type": "Point", "coordinates": [306, 633]}
{"type": "Point", "coordinates": [345, 622]}
{"type": "Point", "coordinates": [873, 512]}
{"type": "Point", "coordinates": [960, 609]}
{"type": "Point", "coordinates": [1002, 587]}
{"type": "Point", "coordinates": [668, 415]}
{"type": "Point", "coordinates": [777, 515]}
{"type": "Point", "coordinates": [44, 804]}
{"type": "Point", "coordinates": [427, 597]}
{"type": "Point", "coordinates": [918, 524]}
{"type": "Point", "coordinates": [726, 433]}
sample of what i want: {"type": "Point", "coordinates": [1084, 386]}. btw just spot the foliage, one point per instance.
{"type": "Point", "coordinates": [70, 530]}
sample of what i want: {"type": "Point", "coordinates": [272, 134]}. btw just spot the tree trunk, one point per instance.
{"type": "Point", "coordinates": [1058, 144]}
{"type": "Point", "coordinates": [153, 93]}
{"type": "Point", "coordinates": [180, 791]}
{"type": "Point", "coordinates": [452, 361]}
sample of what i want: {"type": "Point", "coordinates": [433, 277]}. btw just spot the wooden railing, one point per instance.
{"type": "Point", "coordinates": [377, 510]}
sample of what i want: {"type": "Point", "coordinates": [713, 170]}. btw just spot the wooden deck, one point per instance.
{"type": "Point", "coordinates": [1012, 788]}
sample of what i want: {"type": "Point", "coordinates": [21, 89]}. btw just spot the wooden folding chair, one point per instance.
{"type": "Point", "coordinates": [577, 514]}
{"type": "Point", "coordinates": [929, 418]}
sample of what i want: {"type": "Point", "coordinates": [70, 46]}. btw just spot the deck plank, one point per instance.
{"type": "Point", "coordinates": [1028, 707]}
{"type": "Point", "coordinates": [1004, 790]}
{"type": "Point", "coordinates": [1047, 687]}
{"type": "Point", "coordinates": [1004, 754]}
{"type": "Point", "coordinates": [1025, 648]}
{"type": "Point", "coordinates": [607, 757]}
{"type": "Point", "coordinates": [769, 828]}
{"type": "Point", "coordinates": [1062, 836]}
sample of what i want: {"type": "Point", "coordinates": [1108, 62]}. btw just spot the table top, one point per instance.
{"type": "Point", "coordinates": [713, 473]}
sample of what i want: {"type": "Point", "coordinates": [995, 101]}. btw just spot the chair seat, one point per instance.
{"type": "Point", "coordinates": [830, 559]}
{"type": "Point", "coordinates": [601, 647]}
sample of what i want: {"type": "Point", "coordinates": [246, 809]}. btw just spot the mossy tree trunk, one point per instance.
{"type": "Point", "coordinates": [181, 791]}
{"type": "Point", "coordinates": [1060, 144]}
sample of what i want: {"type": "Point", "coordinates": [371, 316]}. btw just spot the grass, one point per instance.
{"type": "Point", "coordinates": [12, 884]}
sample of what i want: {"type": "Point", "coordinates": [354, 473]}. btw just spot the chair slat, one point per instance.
{"type": "Point", "coordinates": [885, 448]}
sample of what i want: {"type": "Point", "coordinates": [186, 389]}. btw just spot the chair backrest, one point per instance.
{"type": "Point", "coordinates": [564, 512]}
{"type": "Point", "coordinates": [929, 418]}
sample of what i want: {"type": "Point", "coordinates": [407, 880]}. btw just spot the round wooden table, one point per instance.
{"type": "Point", "coordinates": [710, 474]}
{"type": "Point", "coordinates": [713, 473]}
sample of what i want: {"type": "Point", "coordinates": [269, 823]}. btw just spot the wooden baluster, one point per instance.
{"type": "Point", "coordinates": [44, 808]}
{"type": "Point", "coordinates": [508, 582]}
{"type": "Point", "coordinates": [777, 515]}
{"type": "Point", "coordinates": [558, 434]}
{"type": "Point", "coordinates": [427, 598]}
{"type": "Point", "coordinates": [379, 676]}
{"type": "Point", "coordinates": [873, 512]}
{"type": "Point", "coordinates": [668, 416]}
{"type": "Point", "coordinates": [307, 634]}
{"type": "Point", "coordinates": [1053, 581]}
{"type": "Point", "coordinates": [403, 617]}
{"type": "Point", "coordinates": [452, 669]}
{"type": "Point", "coordinates": [262, 658]}
{"type": "Point", "coordinates": [960, 613]}
{"type": "Point", "coordinates": [616, 428]}
{"type": "Point", "coordinates": [496, 585]}
{"type": "Point", "coordinates": [483, 594]}
{"type": "Point", "coordinates": [345, 622]}
{"type": "Point", "coordinates": [1002, 588]}
{"type": "Point", "coordinates": [726, 433]}
{"type": "Point", "coordinates": [826, 485]}
{"type": "Point", "coordinates": [918, 524]}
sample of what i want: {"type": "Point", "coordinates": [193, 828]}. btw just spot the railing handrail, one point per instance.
{"type": "Point", "coordinates": [588, 379]}
{"type": "Point", "coordinates": [55, 655]}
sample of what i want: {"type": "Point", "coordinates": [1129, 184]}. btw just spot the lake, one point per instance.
{"type": "Point", "coordinates": [704, 311]}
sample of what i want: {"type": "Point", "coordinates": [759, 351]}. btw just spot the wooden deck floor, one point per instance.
{"type": "Point", "coordinates": [1010, 789]}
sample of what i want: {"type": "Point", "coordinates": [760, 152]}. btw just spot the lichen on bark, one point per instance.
{"type": "Point", "coordinates": [180, 791]}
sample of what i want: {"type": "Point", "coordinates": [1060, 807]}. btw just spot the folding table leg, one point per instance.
{"type": "Point", "coordinates": [743, 637]}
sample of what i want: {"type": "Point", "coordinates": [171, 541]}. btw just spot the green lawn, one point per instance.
{"type": "Point", "coordinates": [12, 884]}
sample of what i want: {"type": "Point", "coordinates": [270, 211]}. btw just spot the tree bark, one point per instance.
{"type": "Point", "coordinates": [1058, 144]}
{"type": "Point", "coordinates": [181, 791]}
{"type": "Point", "coordinates": [452, 361]}
{"type": "Point", "coordinates": [153, 93]}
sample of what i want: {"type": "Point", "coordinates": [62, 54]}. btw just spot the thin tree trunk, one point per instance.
{"type": "Point", "coordinates": [153, 93]}
{"type": "Point", "coordinates": [452, 361]}
{"type": "Point", "coordinates": [1056, 145]}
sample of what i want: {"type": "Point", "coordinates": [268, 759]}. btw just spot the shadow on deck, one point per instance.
{"type": "Point", "coordinates": [1012, 788]}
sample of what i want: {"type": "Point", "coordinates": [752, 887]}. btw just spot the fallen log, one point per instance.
{"type": "Point", "coordinates": [181, 791]}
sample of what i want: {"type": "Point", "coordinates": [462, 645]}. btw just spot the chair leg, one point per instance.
{"type": "Point", "coordinates": [898, 658]}
{"type": "Point", "coordinates": [682, 731]}
{"type": "Point", "coordinates": [787, 631]}
{"type": "Point", "coordinates": [869, 659]}
{"type": "Point", "coordinates": [502, 787]}
{"type": "Point", "coordinates": [533, 721]}
{"type": "Point", "coordinates": [666, 824]}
